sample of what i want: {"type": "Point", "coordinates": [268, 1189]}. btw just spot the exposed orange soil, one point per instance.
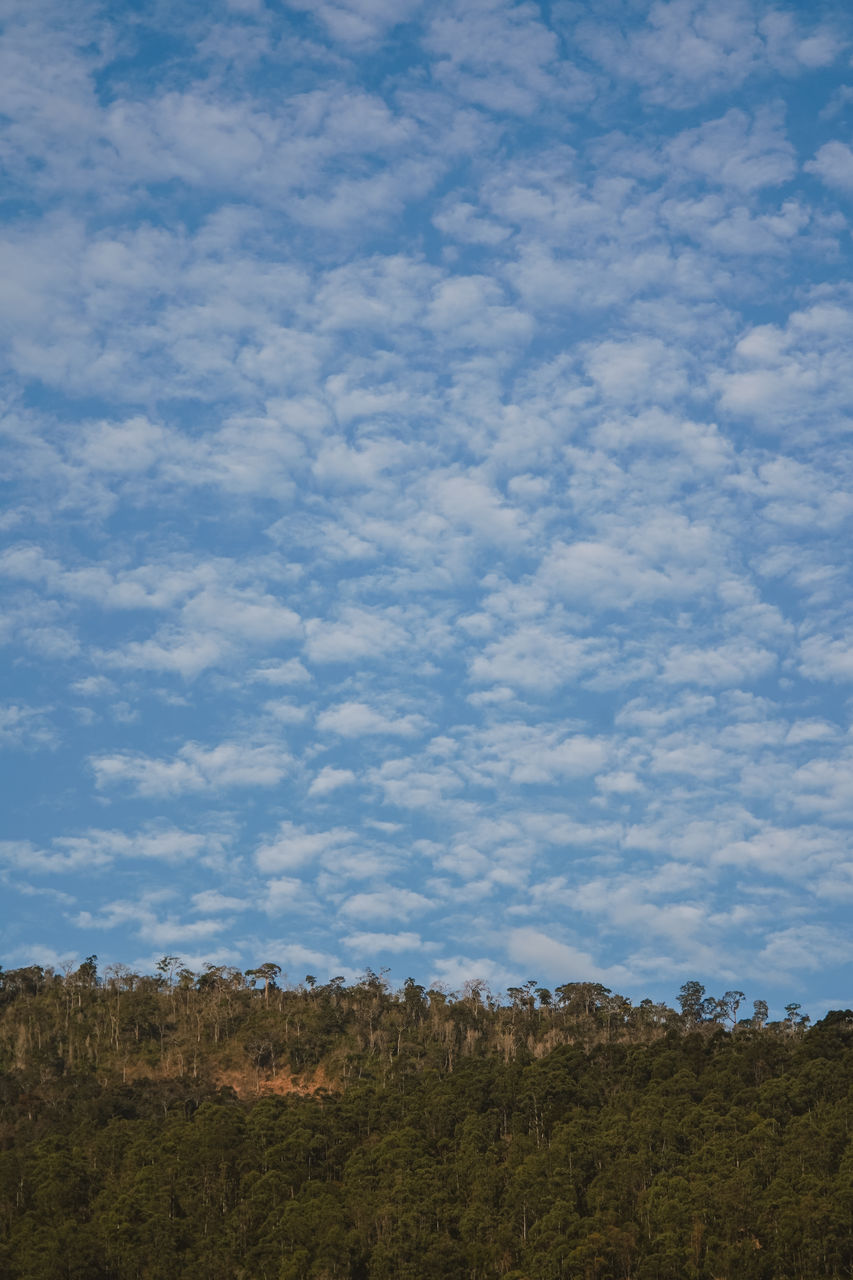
{"type": "Point", "coordinates": [246, 1083]}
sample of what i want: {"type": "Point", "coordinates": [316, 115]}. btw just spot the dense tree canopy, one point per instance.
{"type": "Point", "coordinates": [190, 1125]}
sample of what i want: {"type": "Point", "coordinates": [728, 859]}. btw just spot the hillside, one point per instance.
{"type": "Point", "coordinates": [194, 1125]}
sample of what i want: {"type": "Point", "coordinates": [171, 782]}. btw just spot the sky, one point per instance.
{"type": "Point", "coordinates": [426, 490]}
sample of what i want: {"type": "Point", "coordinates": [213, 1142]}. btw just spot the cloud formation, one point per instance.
{"type": "Point", "coordinates": [427, 488]}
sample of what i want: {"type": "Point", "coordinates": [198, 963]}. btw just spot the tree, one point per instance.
{"type": "Point", "coordinates": [691, 997]}
{"type": "Point", "coordinates": [167, 967]}
{"type": "Point", "coordinates": [88, 972]}
{"type": "Point", "coordinates": [582, 998]}
{"type": "Point", "coordinates": [729, 1003]}
{"type": "Point", "coordinates": [794, 1019]}
{"type": "Point", "coordinates": [267, 973]}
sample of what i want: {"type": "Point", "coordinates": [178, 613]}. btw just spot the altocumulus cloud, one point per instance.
{"type": "Point", "coordinates": [427, 489]}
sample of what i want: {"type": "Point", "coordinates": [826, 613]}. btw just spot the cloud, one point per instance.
{"type": "Point", "coordinates": [297, 956]}
{"type": "Point", "coordinates": [501, 57]}
{"type": "Point", "coordinates": [294, 846]}
{"type": "Point", "coordinates": [286, 712]}
{"type": "Point", "coordinates": [386, 904]}
{"type": "Point", "coordinates": [727, 664]}
{"type": "Point", "coordinates": [290, 672]}
{"type": "Point", "coordinates": [194, 768]}
{"type": "Point", "coordinates": [805, 948]}
{"type": "Point", "coordinates": [94, 687]}
{"type": "Point", "coordinates": [358, 22]}
{"type": "Point", "coordinates": [25, 727]}
{"type": "Point", "coordinates": [472, 411]}
{"type": "Point", "coordinates": [330, 779]}
{"type": "Point", "coordinates": [833, 164]}
{"type": "Point", "coordinates": [360, 633]}
{"type": "Point", "coordinates": [410, 784]}
{"type": "Point", "coordinates": [559, 961]}
{"type": "Point", "coordinates": [604, 576]}
{"type": "Point", "coordinates": [462, 222]}
{"type": "Point", "coordinates": [142, 919]}
{"type": "Point", "coordinates": [523, 754]}
{"type": "Point", "coordinates": [211, 901]}
{"type": "Point", "coordinates": [824, 658]}
{"type": "Point", "coordinates": [357, 720]}
{"type": "Point", "coordinates": [369, 944]}
{"type": "Point", "coordinates": [99, 848]}
{"type": "Point", "coordinates": [737, 152]}
{"type": "Point", "coordinates": [822, 786]}
{"type": "Point", "coordinates": [779, 370]}
{"type": "Point", "coordinates": [797, 853]}
{"type": "Point", "coordinates": [810, 731]}
{"type": "Point", "coordinates": [175, 651]}
{"type": "Point", "coordinates": [686, 51]}
{"type": "Point", "coordinates": [454, 971]}
{"type": "Point", "coordinates": [256, 617]}
{"type": "Point", "coordinates": [535, 658]}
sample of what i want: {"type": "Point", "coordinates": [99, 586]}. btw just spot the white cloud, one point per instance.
{"type": "Point", "coordinates": [461, 222]}
{"type": "Point", "coordinates": [211, 901]}
{"type": "Point", "coordinates": [619, 782]}
{"type": "Point", "coordinates": [685, 51]}
{"type": "Point", "coordinates": [559, 960]}
{"type": "Point", "coordinates": [370, 943]}
{"type": "Point", "coordinates": [194, 768]}
{"type": "Point", "coordinates": [25, 727]}
{"type": "Point", "coordinates": [455, 971]}
{"type": "Point", "coordinates": [183, 654]}
{"type": "Point", "coordinates": [824, 658]}
{"type": "Point", "coordinates": [810, 731]}
{"type": "Point", "coordinates": [501, 57]}
{"type": "Point", "coordinates": [133, 445]}
{"type": "Point", "coordinates": [637, 370]}
{"type": "Point", "coordinates": [100, 848]}
{"type": "Point", "coordinates": [528, 754]}
{"type": "Point", "coordinates": [737, 152]}
{"type": "Point", "coordinates": [296, 957]}
{"type": "Point", "coordinates": [290, 672]}
{"type": "Point", "coordinates": [535, 658]}
{"type": "Point", "coordinates": [254, 616]}
{"type": "Point", "coordinates": [358, 22]}
{"type": "Point", "coordinates": [360, 633]}
{"type": "Point", "coordinates": [386, 904]}
{"type": "Point", "coordinates": [294, 847]}
{"type": "Point", "coordinates": [357, 720]}
{"type": "Point", "coordinates": [471, 311]}
{"type": "Point", "coordinates": [409, 785]}
{"type": "Point", "coordinates": [727, 664]}
{"type": "Point", "coordinates": [94, 687]}
{"type": "Point", "coordinates": [796, 853]}
{"type": "Point", "coordinates": [605, 576]}
{"type": "Point", "coordinates": [783, 372]}
{"type": "Point", "coordinates": [804, 948]}
{"type": "Point", "coordinates": [833, 164]}
{"type": "Point", "coordinates": [142, 919]}
{"type": "Point", "coordinates": [471, 419]}
{"type": "Point", "coordinates": [329, 779]}
{"type": "Point", "coordinates": [285, 711]}
{"type": "Point", "coordinates": [823, 786]}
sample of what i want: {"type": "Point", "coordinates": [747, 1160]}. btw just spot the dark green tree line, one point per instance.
{"type": "Point", "coordinates": [152, 1127]}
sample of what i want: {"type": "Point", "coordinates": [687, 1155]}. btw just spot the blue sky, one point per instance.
{"type": "Point", "coordinates": [426, 437]}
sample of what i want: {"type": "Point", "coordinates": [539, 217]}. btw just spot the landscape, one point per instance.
{"type": "Point", "coordinates": [426, 501]}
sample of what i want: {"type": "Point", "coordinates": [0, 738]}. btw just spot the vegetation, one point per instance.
{"type": "Point", "coordinates": [217, 1125]}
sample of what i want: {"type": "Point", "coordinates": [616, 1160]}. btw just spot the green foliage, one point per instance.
{"type": "Point", "coordinates": [202, 1125]}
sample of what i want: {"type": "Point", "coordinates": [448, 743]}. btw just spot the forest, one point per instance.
{"type": "Point", "coordinates": [233, 1126]}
